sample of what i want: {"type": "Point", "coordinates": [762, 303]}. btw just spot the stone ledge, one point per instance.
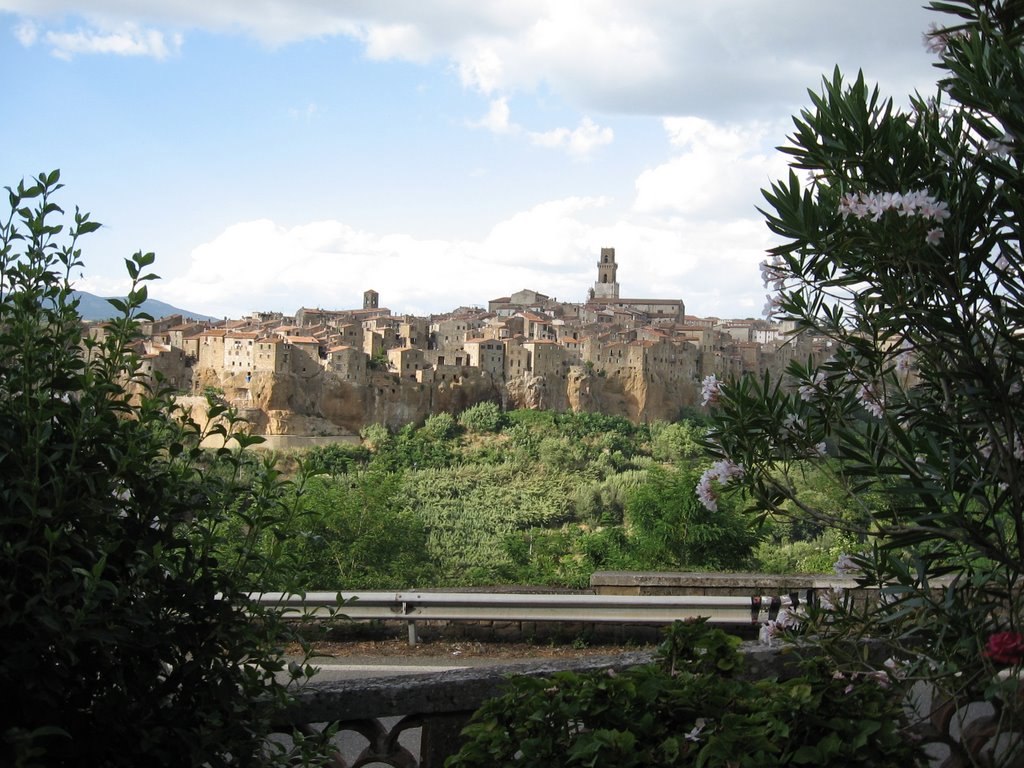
{"type": "Point", "coordinates": [464, 690]}
{"type": "Point", "coordinates": [696, 582]}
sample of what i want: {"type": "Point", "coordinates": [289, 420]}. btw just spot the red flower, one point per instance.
{"type": "Point", "coordinates": [1005, 647]}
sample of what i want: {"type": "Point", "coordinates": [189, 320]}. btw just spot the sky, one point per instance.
{"type": "Point", "coordinates": [294, 153]}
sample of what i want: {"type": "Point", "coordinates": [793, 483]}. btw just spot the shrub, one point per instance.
{"type": "Point", "coordinates": [669, 528]}
{"type": "Point", "coordinates": [482, 417]}
{"type": "Point", "coordinates": [441, 426]}
{"type": "Point", "coordinates": [335, 459]}
{"type": "Point", "coordinates": [692, 708]}
{"type": "Point", "coordinates": [676, 442]}
{"type": "Point", "coordinates": [125, 641]}
{"type": "Point", "coordinates": [352, 536]}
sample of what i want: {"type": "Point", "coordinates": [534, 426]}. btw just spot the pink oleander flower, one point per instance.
{"type": "Point", "coordinates": [698, 726]}
{"type": "Point", "coordinates": [934, 210]}
{"type": "Point", "coordinates": [809, 391]}
{"type": "Point", "coordinates": [872, 401]}
{"type": "Point", "coordinates": [832, 599]}
{"type": "Point", "coordinates": [935, 40]}
{"type": "Point", "coordinates": [785, 619]}
{"type": "Point", "coordinates": [1005, 648]}
{"type": "Point", "coordinates": [723, 472]}
{"type": "Point", "coordinates": [934, 236]}
{"type": "Point", "coordinates": [1000, 147]}
{"type": "Point", "coordinates": [876, 204]}
{"type": "Point", "coordinates": [710, 390]}
{"type": "Point", "coordinates": [772, 305]}
{"type": "Point", "coordinates": [793, 423]}
{"type": "Point", "coordinates": [771, 274]}
{"type": "Point", "coordinates": [706, 494]}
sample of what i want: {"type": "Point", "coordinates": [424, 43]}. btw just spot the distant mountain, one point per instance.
{"type": "Point", "coordinates": [92, 307]}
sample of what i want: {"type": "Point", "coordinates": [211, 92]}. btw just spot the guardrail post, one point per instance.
{"type": "Point", "coordinates": [413, 638]}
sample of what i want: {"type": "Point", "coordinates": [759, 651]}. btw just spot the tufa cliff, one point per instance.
{"type": "Point", "coordinates": [324, 404]}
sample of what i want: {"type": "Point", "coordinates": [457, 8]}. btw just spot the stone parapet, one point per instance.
{"type": "Point", "coordinates": [708, 583]}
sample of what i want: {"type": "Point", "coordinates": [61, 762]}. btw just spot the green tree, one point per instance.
{"type": "Point", "coordinates": [482, 417]}
{"type": "Point", "coordinates": [125, 640]}
{"type": "Point", "coordinates": [335, 458]}
{"type": "Point", "coordinates": [901, 244]}
{"type": "Point", "coordinates": [441, 426]}
{"type": "Point", "coordinates": [669, 528]}
{"type": "Point", "coordinates": [676, 442]}
{"type": "Point", "coordinates": [353, 536]}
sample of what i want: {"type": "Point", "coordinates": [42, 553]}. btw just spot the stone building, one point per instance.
{"type": "Point", "coordinates": [270, 355]}
{"type": "Point", "coordinates": [406, 361]}
{"type": "Point", "coordinates": [348, 363]}
{"type": "Point", "coordinates": [487, 355]}
{"type": "Point", "coordinates": [211, 349]}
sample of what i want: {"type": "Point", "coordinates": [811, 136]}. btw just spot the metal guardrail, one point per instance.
{"type": "Point", "coordinates": [472, 606]}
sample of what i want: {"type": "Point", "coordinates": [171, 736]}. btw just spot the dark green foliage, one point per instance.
{"type": "Point", "coordinates": [411, 448]}
{"type": "Point", "coordinates": [441, 426]}
{"type": "Point", "coordinates": [125, 641]}
{"type": "Point", "coordinates": [579, 425]}
{"type": "Point", "coordinates": [665, 528]}
{"type": "Point", "coordinates": [482, 417]}
{"type": "Point", "coordinates": [567, 556]}
{"type": "Point", "coordinates": [335, 459]}
{"type": "Point", "coordinates": [900, 242]}
{"type": "Point", "coordinates": [693, 708]}
{"type": "Point", "coordinates": [670, 529]}
{"type": "Point", "coordinates": [353, 535]}
{"type": "Point", "coordinates": [544, 500]}
{"type": "Point", "coordinates": [531, 419]}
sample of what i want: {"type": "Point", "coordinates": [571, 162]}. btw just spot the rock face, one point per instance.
{"type": "Point", "coordinates": [323, 404]}
{"type": "Point", "coordinates": [628, 394]}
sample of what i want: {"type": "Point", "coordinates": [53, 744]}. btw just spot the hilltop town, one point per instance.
{"type": "Point", "coordinates": [332, 372]}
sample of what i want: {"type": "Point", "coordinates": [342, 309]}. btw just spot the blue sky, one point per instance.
{"type": "Point", "coordinates": [298, 152]}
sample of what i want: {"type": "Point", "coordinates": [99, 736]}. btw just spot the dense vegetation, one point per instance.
{"type": "Point", "coordinates": [126, 632]}
{"type": "Point", "coordinates": [527, 497]}
{"type": "Point", "coordinates": [692, 708]}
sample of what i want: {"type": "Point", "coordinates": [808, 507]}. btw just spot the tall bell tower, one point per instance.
{"type": "Point", "coordinates": [607, 286]}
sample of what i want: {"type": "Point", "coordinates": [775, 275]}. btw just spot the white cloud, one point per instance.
{"type": "Point", "coordinates": [480, 67]}
{"type": "Point", "coordinates": [551, 247]}
{"type": "Point", "coordinates": [580, 142]}
{"type": "Point", "coordinates": [717, 173]}
{"type": "Point", "coordinates": [548, 237]}
{"type": "Point", "coordinates": [127, 40]}
{"type": "Point", "coordinates": [497, 119]}
{"type": "Point", "coordinates": [721, 59]}
{"type": "Point", "coordinates": [391, 41]}
{"type": "Point", "coordinates": [27, 33]}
